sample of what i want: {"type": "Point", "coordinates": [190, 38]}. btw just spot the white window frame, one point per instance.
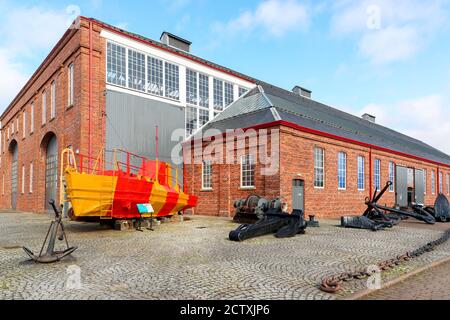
{"type": "Point", "coordinates": [24, 124]}
{"type": "Point", "coordinates": [341, 170]}
{"type": "Point", "coordinates": [205, 174]}
{"type": "Point", "coordinates": [358, 172]}
{"type": "Point", "coordinates": [377, 174]}
{"type": "Point", "coordinates": [433, 182]}
{"type": "Point", "coordinates": [424, 181]}
{"type": "Point", "coordinates": [53, 100]}
{"type": "Point", "coordinates": [70, 84]}
{"type": "Point", "coordinates": [31, 177]}
{"type": "Point", "coordinates": [392, 176]}
{"type": "Point", "coordinates": [44, 107]}
{"type": "Point", "coordinates": [32, 118]}
{"type": "Point", "coordinates": [441, 182]}
{"type": "Point", "coordinates": [251, 160]}
{"type": "Point", "coordinates": [319, 168]}
{"type": "Point", "coordinates": [23, 179]}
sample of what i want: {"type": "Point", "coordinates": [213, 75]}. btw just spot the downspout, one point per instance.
{"type": "Point", "coordinates": [90, 94]}
{"type": "Point", "coordinates": [370, 172]}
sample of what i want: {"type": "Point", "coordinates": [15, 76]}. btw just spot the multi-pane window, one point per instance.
{"type": "Point", "coordinates": [203, 88]}
{"type": "Point", "coordinates": [361, 173]}
{"type": "Point", "coordinates": [116, 64]}
{"type": "Point", "coordinates": [70, 86]}
{"type": "Point", "coordinates": [24, 124]}
{"type": "Point", "coordinates": [203, 117]}
{"type": "Point", "coordinates": [207, 175]}
{"type": "Point", "coordinates": [32, 118]}
{"type": "Point", "coordinates": [136, 70]}
{"type": "Point", "coordinates": [242, 91]}
{"type": "Point", "coordinates": [23, 179]}
{"type": "Point", "coordinates": [191, 87]}
{"type": "Point", "coordinates": [342, 170]}
{"type": "Point", "coordinates": [17, 124]}
{"type": "Point", "coordinates": [155, 76]}
{"type": "Point", "coordinates": [31, 177]}
{"type": "Point", "coordinates": [391, 176]}
{"type": "Point", "coordinates": [44, 106]}
{"type": "Point", "coordinates": [319, 166]}
{"type": "Point", "coordinates": [191, 120]}
{"type": "Point", "coordinates": [377, 174]}
{"type": "Point", "coordinates": [172, 81]}
{"type": "Point", "coordinates": [53, 101]}
{"type": "Point", "coordinates": [433, 182]}
{"type": "Point", "coordinates": [218, 95]}
{"type": "Point", "coordinates": [441, 182]}
{"type": "Point", "coordinates": [247, 171]}
{"type": "Point", "coordinates": [424, 181]}
{"type": "Point", "coordinates": [229, 94]}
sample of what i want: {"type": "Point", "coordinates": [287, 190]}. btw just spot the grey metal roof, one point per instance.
{"type": "Point", "coordinates": [255, 108]}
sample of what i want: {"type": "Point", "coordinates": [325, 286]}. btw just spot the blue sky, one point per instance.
{"type": "Point", "coordinates": [388, 58]}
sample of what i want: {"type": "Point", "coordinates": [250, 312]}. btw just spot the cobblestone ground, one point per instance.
{"type": "Point", "coordinates": [432, 284]}
{"type": "Point", "coordinates": [195, 260]}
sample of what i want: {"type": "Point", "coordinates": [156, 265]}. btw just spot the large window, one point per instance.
{"type": "Point", "coordinates": [31, 177]}
{"type": "Point", "coordinates": [377, 174]}
{"type": "Point", "coordinates": [392, 176]}
{"type": "Point", "coordinates": [203, 90]}
{"type": "Point", "coordinates": [53, 101]}
{"type": "Point", "coordinates": [203, 117]}
{"type": "Point", "coordinates": [172, 79]}
{"type": "Point", "coordinates": [191, 120]}
{"type": "Point", "coordinates": [242, 91]}
{"type": "Point", "coordinates": [191, 87]}
{"type": "Point", "coordinates": [342, 170]}
{"type": "Point", "coordinates": [116, 64]}
{"type": "Point", "coordinates": [441, 182]}
{"type": "Point", "coordinates": [433, 182]}
{"type": "Point", "coordinates": [247, 171]}
{"type": "Point", "coordinates": [155, 76]}
{"type": "Point", "coordinates": [319, 167]}
{"type": "Point", "coordinates": [218, 95]}
{"type": "Point", "coordinates": [32, 118]}
{"type": "Point", "coordinates": [136, 70]}
{"type": "Point", "coordinates": [229, 94]}
{"type": "Point", "coordinates": [44, 107]}
{"type": "Point", "coordinates": [70, 85]}
{"type": "Point", "coordinates": [24, 124]}
{"type": "Point", "coordinates": [424, 181]}
{"type": "Point", "coordinates": [361, 173]}
{"type": "Point", "coordinates": [207, 175]}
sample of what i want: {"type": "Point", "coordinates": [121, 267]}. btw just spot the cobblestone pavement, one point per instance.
{"type": "Point", "coordinates": [432, 284]}
{"type": "Point", "coordinates": [195, 260]}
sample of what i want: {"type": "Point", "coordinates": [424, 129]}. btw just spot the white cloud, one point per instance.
{"type": "Point", "coordinates": [271, 17]}
{"type": "Point", "coordinates": [423, 118]}
{"type": "Point", "coordinates": [388, 31]}
{"type": "Point", "coordinates": [36, 31]}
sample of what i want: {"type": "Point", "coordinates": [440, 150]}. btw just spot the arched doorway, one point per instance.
{"type": "Point", "coordinates": [50, 146]}
{"type": "Point", "coordinates": [14, 150]}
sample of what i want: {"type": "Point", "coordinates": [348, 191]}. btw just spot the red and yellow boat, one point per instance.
{"type": "Point", "coordinates": [113, 190]}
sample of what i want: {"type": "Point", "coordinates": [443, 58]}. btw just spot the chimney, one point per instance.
{"type": "Point", "coordinates": [302, 92]}
{"type": "Point", "coordinates": [369, 117]}
{"type": "Point", "coordinates": [176, 42]}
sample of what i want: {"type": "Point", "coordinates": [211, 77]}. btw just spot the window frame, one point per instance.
{"type": "Point", "coordinates": [31, 178]}
{"type": "Point", "coordinates": [392, 176]}
{"type": "Point", "coordinates": [209, 173]}
{"type": "Point", "coordinates": [44, 108]}
{"type": "Point", "coordinates": [361, 173]}
{"type": "Point", "coordinates": [424, 181]}
{"type": "Point", "coordinates": [32, 118]}
{"type": "Point", "coordinates": [316, 186]}
{"type": "Point", "coordinates": [377, 174]}
{"type": "Point", "coordinates": [53, 100]}
{"type": "Point", "coordinates": [342, 170]}
{"type": "Point", "coordinates": [245, 171]}
{"type": "Point", "coordinates": [24, 124]}
{"type": "Point", "coordinates": [441, 182]}
{"type": "Point", "coordinates": [433, 182]}
{"type": "Point", "coordinates": [70, 85]}
{"type": "Point", "coordinates": [23, 180]}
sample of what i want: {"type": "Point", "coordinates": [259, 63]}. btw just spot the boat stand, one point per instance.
{"type": "Point", "coordinates": [51, 255]}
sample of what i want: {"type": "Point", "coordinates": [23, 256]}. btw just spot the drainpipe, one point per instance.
{"type": "Point", "coordinates": [370, 172]}
{"type": "Point", "coordinates": [90, 94]}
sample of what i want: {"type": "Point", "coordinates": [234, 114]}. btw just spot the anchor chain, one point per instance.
{"type": "Point", "coordinates": [333, 283]}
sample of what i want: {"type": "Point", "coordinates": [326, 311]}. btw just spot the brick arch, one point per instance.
{"type": "Point", "coordinates": [13, 144]}
{"type": "Point", "coordinates": [45, 140]}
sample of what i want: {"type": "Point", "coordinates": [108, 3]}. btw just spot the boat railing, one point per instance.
{"type": "Point", "coordinates": [117, 161]}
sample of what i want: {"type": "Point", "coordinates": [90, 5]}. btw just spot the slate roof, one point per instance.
{"type": "Point", "coordinates": [266, 103]}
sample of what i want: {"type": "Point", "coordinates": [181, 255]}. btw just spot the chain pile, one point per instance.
{"type": "Point", "coordinates": [334, 283]}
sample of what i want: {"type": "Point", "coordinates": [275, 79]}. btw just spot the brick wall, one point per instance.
{"type": "Point", "coordinates": [70, 124]}
{"type": "Point", "coordinates": [297, 162]}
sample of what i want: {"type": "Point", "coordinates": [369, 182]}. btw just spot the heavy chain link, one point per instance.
{"type": "Point", "coordinates": [333, 284]}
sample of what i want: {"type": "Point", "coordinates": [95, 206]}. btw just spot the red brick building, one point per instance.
{"type": "Point", "coordinates": [329, 161]}
{"type": "Point", "coordinates": [103, 87]}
